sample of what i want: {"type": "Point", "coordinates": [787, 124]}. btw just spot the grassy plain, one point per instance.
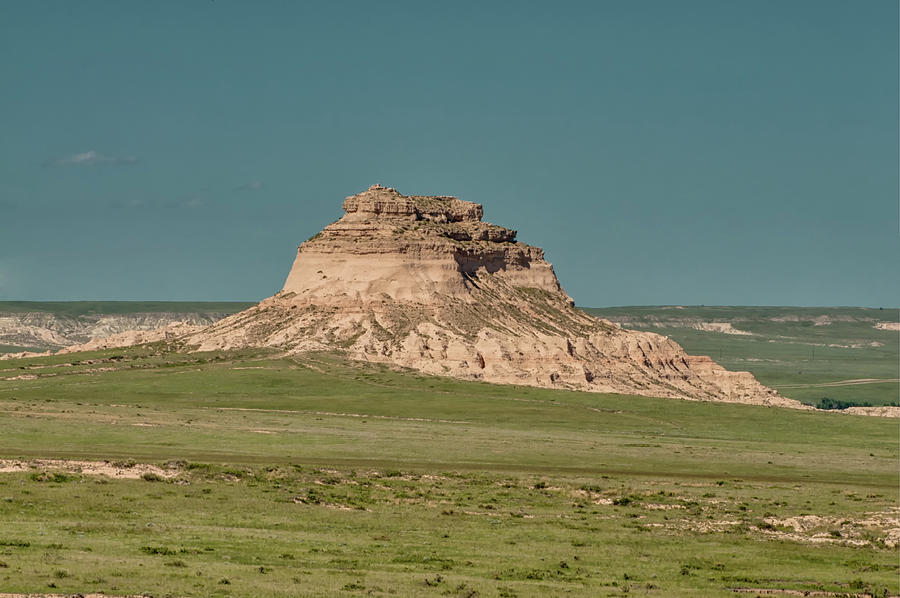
{"type": "Point", "coordinates": [807, 353]}
{"type": "Point", "coordinates": [316, 477]}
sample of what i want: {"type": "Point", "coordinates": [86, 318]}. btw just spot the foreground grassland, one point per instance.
{"type": "Point", "coordinates": [806, 353]}
{"type": "Point", "coordinates": [315, 477]}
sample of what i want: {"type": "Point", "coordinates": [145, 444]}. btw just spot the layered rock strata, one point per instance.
{"type": "Point", "coordinates": [52, 331]}
{"type": "Point", "coordinates": [422, 282]}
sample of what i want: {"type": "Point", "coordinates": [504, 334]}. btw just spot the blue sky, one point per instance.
{"type": "Point", "coordinates": [721, 152]}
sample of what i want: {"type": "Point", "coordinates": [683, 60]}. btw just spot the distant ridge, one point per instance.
{"type": "Point", "coordinates": [51, 325]}
{"type": "Point", "coordinates": [80, 308]}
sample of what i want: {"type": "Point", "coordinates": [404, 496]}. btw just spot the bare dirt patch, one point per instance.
{"type": "Point", "coordinates": [877, 527]}
{"type": "Point", "coordinates": [785, 592]}
{"type": "Point", "coordinates": [112, 469]}
{"type": "Point", "coordinates": [883, 411]}
{"type": "Point", "coordinates": [723, 327]}
{"type": "Point", "coordinates": [661, 507]}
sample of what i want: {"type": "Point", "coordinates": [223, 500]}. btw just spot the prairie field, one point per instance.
{"type": "Point", "coordinates": [844, 354]}
{"type": "Point", "coordinates": [147, 471]}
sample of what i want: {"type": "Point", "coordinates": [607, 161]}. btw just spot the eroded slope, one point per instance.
{"type": "Point", "coordinates": [422, 282]}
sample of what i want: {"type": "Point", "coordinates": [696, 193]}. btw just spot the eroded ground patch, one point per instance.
{"type": "Point", "coordinates": [111, 469]}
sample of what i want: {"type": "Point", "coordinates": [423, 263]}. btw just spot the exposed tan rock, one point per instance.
{"type": "Point", "coordinates": [43, 330]}
{"type": "Point", "coordinates": [882, 411]}
{"type": "Point", "coordinates": [110, 469]}
{"type": "Point", "coordinates": [422, 282]}
{"type": "Point", "coordinates": [723, 327]}
{"type": "Point", "coordinates": [25, 355]}
{"type": "Point", "coordinates": [135, 337]}
{"type": "Point", "coordinates": [390, 246]}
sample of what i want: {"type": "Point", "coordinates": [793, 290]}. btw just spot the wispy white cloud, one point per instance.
{"type": "Point", "coordinates": [251, 186]}
{"type": "Point", "coordinates": [90, 158]}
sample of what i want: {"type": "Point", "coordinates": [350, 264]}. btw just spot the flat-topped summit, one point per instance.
{"type": "Point", "coordinates": [379, 201]}
{"type": "Point", "coordinates": [422, 282]}
{"type": "Point", "coordinates": [390, 245]}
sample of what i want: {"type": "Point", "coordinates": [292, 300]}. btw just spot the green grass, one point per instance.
{"type": "Point", "coordinates": [17, 349]}
{"type": "Point", "coordinates": [786, 349]}
{"type": "Point", "coordinates": [318, 477]}
{"type": "Point", "coordinates": [83, 308]}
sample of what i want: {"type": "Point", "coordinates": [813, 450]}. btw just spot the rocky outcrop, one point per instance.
{"type": "Point", "coordinates": [45, 330]}
{"type": "Point", "coordinates": [25, 355]}
{"type": "Point", "coordinates": [129, 338]}
{"type": "Point", "coordinates": [882, 411]}
{"type": "Point", "coordinates": [422, 282]}
{"type": "Point", "coordinates": [408, 248]}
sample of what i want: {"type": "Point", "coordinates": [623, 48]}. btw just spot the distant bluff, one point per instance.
{"type": "Point", "coordinates": [422, 282]}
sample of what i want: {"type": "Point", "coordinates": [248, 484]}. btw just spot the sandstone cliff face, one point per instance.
{"type": "Point", "coordinates": [390, 246]}
{"type": "Point", "coordinates": [422, 282]}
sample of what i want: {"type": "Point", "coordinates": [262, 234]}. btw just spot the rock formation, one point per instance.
{"type": "Point", "coordinates": [128, 338]}
{"type": "Point", "coordinates": [422, 282]}
{"type": "Point", "coordinates": [47, 330]}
